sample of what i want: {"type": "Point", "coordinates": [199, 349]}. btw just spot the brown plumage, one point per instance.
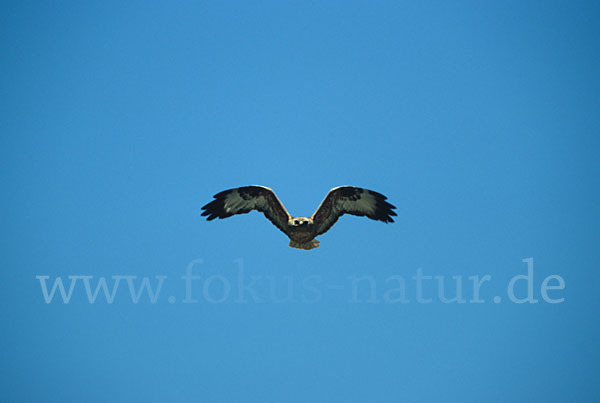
{"type": "Point", "coordinates": [301, 230]}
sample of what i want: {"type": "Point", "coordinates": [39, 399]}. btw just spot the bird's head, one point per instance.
{"type": "Point", "coordinates": [300, 221]}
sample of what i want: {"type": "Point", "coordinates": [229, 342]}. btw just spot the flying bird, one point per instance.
{"type": "Point", "coordinates": [301, 230]}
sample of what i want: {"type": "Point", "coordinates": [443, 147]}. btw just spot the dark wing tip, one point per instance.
{"type": "Point", "coordinates": [216, 208]}
{"type": "Point", "coordinates": [384, 211]}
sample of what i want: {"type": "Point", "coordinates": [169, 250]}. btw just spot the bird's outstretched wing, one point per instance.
{"type": "Point", "coordinates": [351, 200]}
{"type": "Point", "coordinates": [244, 199]}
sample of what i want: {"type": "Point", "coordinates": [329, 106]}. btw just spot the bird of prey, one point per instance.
{"type": "Point", "coordinates": [301, 230]}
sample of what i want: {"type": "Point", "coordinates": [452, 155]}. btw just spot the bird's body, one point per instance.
{"type": "Point", "coordinates": [301, 230]}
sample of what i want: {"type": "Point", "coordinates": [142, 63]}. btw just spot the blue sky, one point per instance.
{"type": "Point", "coordinates": [479, 121]}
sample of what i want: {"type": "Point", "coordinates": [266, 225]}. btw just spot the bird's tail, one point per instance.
{"type": "Point", "coordinates": [306, 246]}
